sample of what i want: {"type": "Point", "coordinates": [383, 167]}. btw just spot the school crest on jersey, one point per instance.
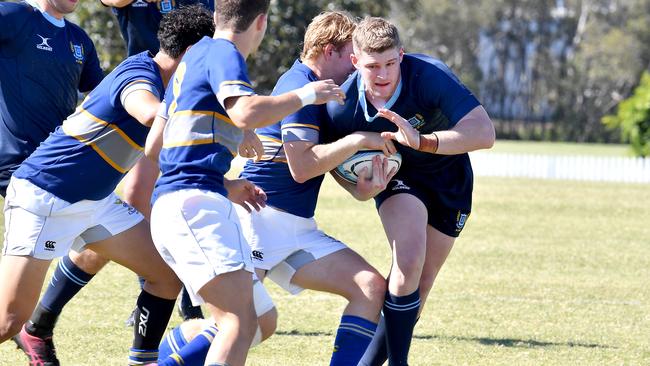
{"type": "Point", "coordinates": [165, 6]}
{"type": "Point", "coordinates": [416, 121]}
{"type": "Point", "coordinates": [77, 52]}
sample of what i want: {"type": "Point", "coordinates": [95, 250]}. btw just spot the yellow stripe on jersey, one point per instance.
{"type": "Point", "coordinates": [268, 138]}
{"type": "Point", "coordinates": [206, 113]}
{"type": "Point", "coordinates": [235, 82]}
{"type": "Point", "coordinates": [115, 128]}
{"type": "Point", "coordinates": [289, 125]}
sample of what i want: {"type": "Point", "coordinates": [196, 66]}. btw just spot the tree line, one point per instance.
{"type": "Point", "coordinates": [544, 69]}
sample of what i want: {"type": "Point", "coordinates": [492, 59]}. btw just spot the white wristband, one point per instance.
{"type": "Point", "coordinates": [307, 94]}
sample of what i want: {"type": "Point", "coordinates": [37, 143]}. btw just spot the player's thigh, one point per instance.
{"type": "Point", "coordinates": [230, 294]}
{"type": "Point", "coordinates": [21, 280]}
{"type": "Point", "coordinates": [343, 272]}
{"type": "Point", "coordinates": [134, 249]}
{"type": "Point", "coordinates": [404, 218]}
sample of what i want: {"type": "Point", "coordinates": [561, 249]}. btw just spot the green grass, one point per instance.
{"type": "Point", "coordinates": [545, 273]}
{"type": "Point", "coordinates": [560, 148]}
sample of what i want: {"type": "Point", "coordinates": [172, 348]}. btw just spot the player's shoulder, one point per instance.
{"type": "Point", "coordinates": [424, 68]}
{"type": "Point", "coordinates": [296, 77]}
{"type": "Point", "coordinates": [16, 14]}
{"type": "Point", "coordinates": [78, 31]}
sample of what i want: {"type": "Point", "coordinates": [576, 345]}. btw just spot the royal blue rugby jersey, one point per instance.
{"type": "Point", "coordinates": [44, 61]}
{"type": "Point", "coordinates": [272, 172]}
{"type": "Point", "coordinates": [200, 140]}
{"type": "Point", "coordinates": [139, 22]}
{"type": "Point", "coordinates": [87, 156]}
{"type": "Point", "coordinates": [430, 97]}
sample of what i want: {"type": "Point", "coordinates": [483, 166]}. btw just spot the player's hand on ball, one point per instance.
{"type": "Point", "coordinates": [372, 183]}
{"type": "Point", "coordinates": [245, 194]}
{"type": "Point", "coordinates": [251, 146]}
{"type": "Point", "coordinates": [375, 141]}
{"type": "Point", "coordinates": [405, 135]}
{"type": "Point", "coordinates": [327, 90]}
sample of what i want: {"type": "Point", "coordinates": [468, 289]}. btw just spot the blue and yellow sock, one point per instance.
{"type": "Point", "coordinates": [376, 354]}
{"type": "Point", "coordinates": [172, 343]}
{"type": "Point", "coordinates": [192, 353]}
{"type": "Point", "coordinates": [352, 339]}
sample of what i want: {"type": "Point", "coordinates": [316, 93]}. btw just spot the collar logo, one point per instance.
{"type": "Point", "coordinates": [44, 45]}
{"type": "Point", "coordinates": [77, 52]}
{"type": "Point", "coordinates": [139, 4]}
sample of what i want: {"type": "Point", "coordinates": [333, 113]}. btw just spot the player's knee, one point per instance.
{"type": "Point", "coordinates": [193, 327]}
{"type": "Point", "coordinates": [373, 286]}
{"type": "Point", "coordinates": [163, 283]}
{"type": "Point", "coordinates": [410, 264]}
{"type": "Point", "coordinates": [88, 261]}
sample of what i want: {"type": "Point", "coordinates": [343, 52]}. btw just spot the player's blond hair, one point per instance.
{"type": "Point", "coordinates": [330, 27]}
{"type": "Point", "coordinates": [375, 35]}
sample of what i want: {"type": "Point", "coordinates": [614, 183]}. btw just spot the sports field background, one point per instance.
{"type": "Point", "coordinates": [545, 273]}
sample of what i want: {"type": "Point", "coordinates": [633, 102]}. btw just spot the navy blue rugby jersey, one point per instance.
{"type": "Point", "coordinates": [199, 139]}
{"type": "Point", "coordinates": [44, 61]}
{"type": "Point", "coordinates": [272, 172]}
{"type": "Point", "coordinates": [139, 22]}
{"type": "Point", "coordinates": [87, 156]}
{"type": "Point", "coordinates": [430, 97]}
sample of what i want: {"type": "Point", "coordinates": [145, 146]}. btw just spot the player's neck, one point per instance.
{"type": "Point", "coordinates": [166, 65]}
{"type": "Point", "coordinates": [316, 68]}
{"type": "Point", "coordinates": [46, 7]}
{"type": "Point", "coordinates": [377, 102]}
{"type": "Point", "coordinates": [242, 41]}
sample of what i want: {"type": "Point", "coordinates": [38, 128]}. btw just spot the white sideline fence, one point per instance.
{"type": "Point", "coordinates": [586, 168]}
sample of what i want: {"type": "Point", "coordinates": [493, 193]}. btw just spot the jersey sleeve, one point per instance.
{"type": "Point", "coordinates": [92, 73]}
{"type": "Point", "coordinates": [12, 18]}
{"type": "Point", "coordinates": [449, 94]}
{"type": "Point", "coordinates": [228, 75]}
{"type": "Point", "coordinates": [304, 124]}
{"type": "Point", "coordinates": [132, 77]}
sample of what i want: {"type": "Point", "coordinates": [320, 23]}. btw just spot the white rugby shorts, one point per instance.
{"type": "Point", "coordinates": [282, 243]}
{"type": "Point", "coordinates": [43, 226]}
{"type": "Point", "coordinates": [198, 234]}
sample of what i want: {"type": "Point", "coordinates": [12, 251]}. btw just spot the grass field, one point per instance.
{"type": "Point", "coordinates": [545, 273]}
{"type": "Point", "coordinates": [560, 148]}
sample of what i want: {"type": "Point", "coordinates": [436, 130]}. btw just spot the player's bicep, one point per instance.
{"type": "Point", "coordinates": [141, 104]}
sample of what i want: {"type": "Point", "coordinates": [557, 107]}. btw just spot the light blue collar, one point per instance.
{"type": "Point", "coordinates": [56, 22]}
{"type": "Point", "coordinates": [364, 104]}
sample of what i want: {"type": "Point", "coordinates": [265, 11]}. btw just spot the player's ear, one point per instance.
{"type": "Point", "coordinates": [328, 50]}
{"type": "Point", "coordinates": [355, 60]}
{"type": "Point", "coordinates": [401, 54]}
{"type": "Point", "coordinates": [260, 22]}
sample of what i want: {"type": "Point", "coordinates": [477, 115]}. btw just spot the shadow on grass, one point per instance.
{"type": "Point", "coordinates": [502, 342]}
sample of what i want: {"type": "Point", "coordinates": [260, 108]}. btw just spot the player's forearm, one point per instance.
{"type": "Point", "coordinates": [473, 132]}
{"type": "Point", "coordinates": [250, 112]}
{"type": "Point", "coordinates": [116, 3]}
{"type": "Point", "coordinates": [155, 139]}
{"type": "Point", "coordinates": [320, 159]}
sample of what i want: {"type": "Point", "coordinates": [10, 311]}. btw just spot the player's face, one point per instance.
{"type": "Point", "coordinates": [261, 24]}
{"type": "Point", "coordinates": [341, 65]}
{"type": "Point", "coordinates": [380, 71]}
{"type": "Point", "coordinates": [58, 8]}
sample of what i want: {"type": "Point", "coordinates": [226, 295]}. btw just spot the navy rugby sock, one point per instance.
{"type": "Point", "coordinates": [151, 317]}
{"type": "Point", "coordinates": [400, 313]}
{"type": "Point", "coordinates": [65, 283]}
{"type": "Point", "coordinates": [352, 339]}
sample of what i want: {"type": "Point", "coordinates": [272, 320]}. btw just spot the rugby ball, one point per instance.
{"type": "Point", "coordinates": [352, 167]}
